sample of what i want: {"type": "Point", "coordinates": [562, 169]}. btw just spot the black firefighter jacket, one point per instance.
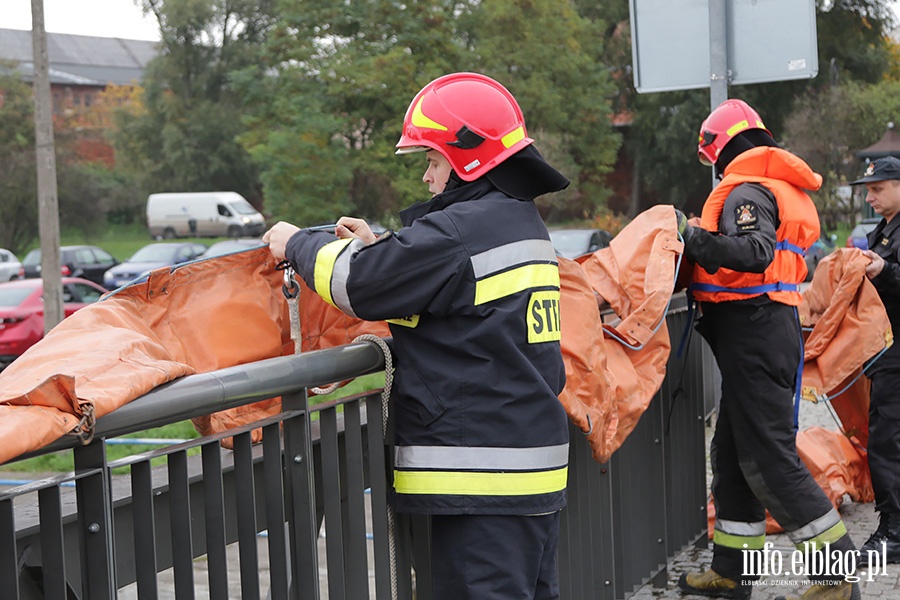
{"type": "Point", "coordinates": [470, 287]}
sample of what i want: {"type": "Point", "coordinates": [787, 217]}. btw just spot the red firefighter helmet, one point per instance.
{"type": "Point", "coordinates": [472, 120]}
{"type": "Point", "coordinates": [726, 121]}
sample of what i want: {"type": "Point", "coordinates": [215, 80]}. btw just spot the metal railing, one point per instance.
{"type": "Point", "coordinates": [303, 513]}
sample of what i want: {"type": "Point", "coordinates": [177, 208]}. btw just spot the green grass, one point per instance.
{"type": "Point", "coordinates": [63, 461]}
{"type": "Point", "coordinates": [121, 241]}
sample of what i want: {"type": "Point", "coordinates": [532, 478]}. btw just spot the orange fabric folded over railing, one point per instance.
{"type": "Point", "coordinates": [229, 310]}
{"type": "Point", "coordinates": [198, 317]}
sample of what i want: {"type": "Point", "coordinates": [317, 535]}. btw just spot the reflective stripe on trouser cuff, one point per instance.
{"type": "Point", "coordinates": [480, 484]}
{"type": "Point", "coordinates": [481, 458]}
{"type": "Point", "coordinates": [739, 534]}
{"type": "Point", "coordinates": [829, 536]}
{"type": "Point", "coordinates": [827, 528]}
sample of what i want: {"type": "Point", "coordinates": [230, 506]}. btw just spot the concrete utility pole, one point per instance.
{"type": "Point", "coordinates": [48, 203]}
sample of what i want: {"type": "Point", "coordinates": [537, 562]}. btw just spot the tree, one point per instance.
{"type": "Point", "coordinates": [187, 138]}
{"type": "Point", "coordinates": [852, 45]}
{"type": "Point", "coordinates": [18, 182]}
{"type": "Point", "coordinates": [341, 75]}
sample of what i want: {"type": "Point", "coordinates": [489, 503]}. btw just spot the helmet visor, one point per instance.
{"type": "Point", "coordinates": [705, 141]}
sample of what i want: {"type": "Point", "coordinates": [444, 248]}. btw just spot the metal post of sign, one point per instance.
{"type": "Point", "coordinates": [718, 59]}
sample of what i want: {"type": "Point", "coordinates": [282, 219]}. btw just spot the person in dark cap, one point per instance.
{"type": "Point", "coordinates": [749, 247]}
{"type": "Point", "coordinates": [470, 288]}
{"type": "Point", "coordinates": [882, 181]}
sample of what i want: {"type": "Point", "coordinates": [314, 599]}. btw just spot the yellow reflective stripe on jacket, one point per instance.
{"type": "Point", "coordinates": [480, 484]}
{"type": "Point", "coordinates": [324, 268]}
{"type": "Point", "coordinates": [513, 268]}
{"type": "Point", "coordinates": [514, 281]}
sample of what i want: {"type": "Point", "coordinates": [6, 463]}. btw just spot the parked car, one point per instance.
{"type": "Point", "coordinates": [857, 237]}
{"type": "Point", "coordinates": [87, 262]}
{"type": "Point", "coordinates": [9, 266]}
{"type": "Point", "coordinates": [151, 256]}
{"type": "Point", "coordinates": [821, 248]}
{"type": "Point", "coordinates": [22, 311]}
{"type": "Point", "coordinates": [229, 246]}
{"type": "Point", "coordinates": [572, 243]}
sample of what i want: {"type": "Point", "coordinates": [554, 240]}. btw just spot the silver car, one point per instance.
{"type": "Point", "coordinates": [9, 266]}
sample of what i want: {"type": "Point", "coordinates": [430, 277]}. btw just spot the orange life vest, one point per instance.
{"type": "Point", "coordinates": [786, 176]}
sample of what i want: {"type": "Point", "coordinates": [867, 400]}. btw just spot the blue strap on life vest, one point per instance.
{"type": "Point", "coordinates": [778, 286]}
{"type": "Point", "coordinates": [786, 245]}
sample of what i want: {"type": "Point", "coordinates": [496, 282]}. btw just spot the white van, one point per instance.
{"type": "Point", "coordinates": [202, 214]}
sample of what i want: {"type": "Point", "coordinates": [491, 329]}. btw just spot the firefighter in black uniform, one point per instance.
{"type": "Point", "coordinates": [882, 181]}
{"type": "Point", "coordinates": [754, 230]}
{"type": "Point", "coordinates": [470, 288]}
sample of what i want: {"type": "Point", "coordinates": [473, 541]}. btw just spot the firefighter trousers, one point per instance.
{"type": "Point", "coordinates": [755, 465]}
{"type": "Point", "coordinates": [495, 557]}
{"type": "Point", "coordinates": [884, 439]}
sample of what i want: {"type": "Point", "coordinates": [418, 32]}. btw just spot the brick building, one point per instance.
{"type": "Point", "coordinates": [80, 67]}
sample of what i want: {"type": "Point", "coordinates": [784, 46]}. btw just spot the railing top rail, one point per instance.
{"type": "Point", "coordinates": [205, 393]}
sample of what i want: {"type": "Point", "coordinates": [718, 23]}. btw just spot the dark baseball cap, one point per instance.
{"type": "Point", "coordinates": [880, 170]}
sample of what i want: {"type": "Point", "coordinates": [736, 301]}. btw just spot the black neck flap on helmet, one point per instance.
{"type": "Point", "coordinates": [746, 140]}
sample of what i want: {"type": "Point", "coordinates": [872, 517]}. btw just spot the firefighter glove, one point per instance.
{"type": "Point", "coordinates": [684, 229]}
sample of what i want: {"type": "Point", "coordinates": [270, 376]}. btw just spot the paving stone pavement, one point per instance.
{"type": "Point", "coordinates": [859, 518]}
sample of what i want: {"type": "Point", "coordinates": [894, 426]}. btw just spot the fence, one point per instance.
{"type": "Point", "coordinates": [303, 514]}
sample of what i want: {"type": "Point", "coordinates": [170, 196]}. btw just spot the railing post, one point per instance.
{"type": "Point", "coordinates": [94, 500]}
{"type": "Point", "coordinates": [300, 500]}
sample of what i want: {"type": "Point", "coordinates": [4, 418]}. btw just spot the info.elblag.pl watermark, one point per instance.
{"type": "Point", "coordinates": [811, 560]}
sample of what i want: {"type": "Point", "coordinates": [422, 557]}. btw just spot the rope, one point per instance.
{"type": "Point", "coordinates": [291, 292]}
{"type": "Point", "coordinates": [385, 397]}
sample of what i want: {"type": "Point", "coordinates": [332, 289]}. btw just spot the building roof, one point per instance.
{"type": "Point", "coordinates": [888, 145]}
{"type": "Point", "coordinates": [80, 59]}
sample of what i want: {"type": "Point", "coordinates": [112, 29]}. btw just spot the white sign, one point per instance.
{"type": "Point", "coordinates": [766, 40]}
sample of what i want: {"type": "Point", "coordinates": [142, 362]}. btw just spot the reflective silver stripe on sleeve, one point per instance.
{"type": "Point", "coordinates": [815, 527]}
{"type": "Point", "coordinates": [510, 255]}
{"type": "Point", "coordinates": [481, 458]}
{"type": "Point", "coordinates": [341, 273]}
{"type": "Point", "coordinates": [741, 527]}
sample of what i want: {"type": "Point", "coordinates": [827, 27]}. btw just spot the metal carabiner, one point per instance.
{"type": "Point", "coordinates": [290, 289]}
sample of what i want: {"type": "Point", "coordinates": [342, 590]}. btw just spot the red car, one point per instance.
{"type": "Point", "coordinates": [22, 311]}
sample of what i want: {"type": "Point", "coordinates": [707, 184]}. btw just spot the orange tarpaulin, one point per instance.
{"type": "Point", "coordinates": [608, 384]}
{"type": "Point", "coordinates": [197, 318]}
{"type": "Point", "coordinates": [230, 310]}
{"type": "Point", "coordinates": [849, 327]}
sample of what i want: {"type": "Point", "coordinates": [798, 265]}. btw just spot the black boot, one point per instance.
{"type": "Point", "coordinates": [874, 541]}
{"type": "Point", "coordinates": [885, 541]}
